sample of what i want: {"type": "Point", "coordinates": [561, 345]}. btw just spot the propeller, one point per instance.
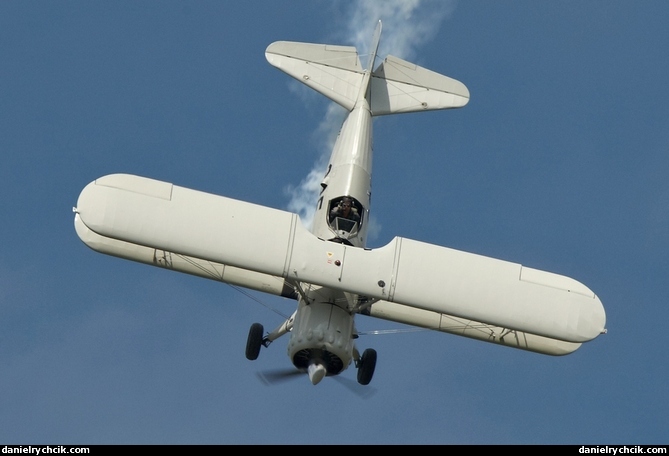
{"type": "Point", "coordinates": [269, 377]}
{"type": "Point", "coordinates": [277, 376]}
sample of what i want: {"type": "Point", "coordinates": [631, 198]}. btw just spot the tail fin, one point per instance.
{"type": "Point", "coordinates": [367, 78]}
{"type": "Point", "coordinates": [397, 86]}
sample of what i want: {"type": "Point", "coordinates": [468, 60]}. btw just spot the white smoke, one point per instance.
{"type": "Point", "coordinates": [303, 198]}
{"type": "Point", "coordinates": [407, 24]}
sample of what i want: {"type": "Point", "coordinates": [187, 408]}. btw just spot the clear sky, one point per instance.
{"type": "Point", "coordinates": [559, 162]}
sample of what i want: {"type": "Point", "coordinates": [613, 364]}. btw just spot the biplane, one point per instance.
{"type": "Point", "coordinates": [328, 269]}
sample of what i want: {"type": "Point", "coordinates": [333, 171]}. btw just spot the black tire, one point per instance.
{"type": "Point", "coordinates": [254, 342]}
{"type": "Point", "coordinates": [366, 366]}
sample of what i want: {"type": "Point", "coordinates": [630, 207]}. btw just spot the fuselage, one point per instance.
{"type": "Point", "coordinates": [348, 175]}
{"type": "Point", "coordinates": [323, 332]}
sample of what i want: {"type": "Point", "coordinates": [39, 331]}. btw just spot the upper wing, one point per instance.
{"type": "Point", "coordinates": [163, 216]}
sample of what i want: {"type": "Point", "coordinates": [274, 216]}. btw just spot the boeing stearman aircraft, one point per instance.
{"type": "Point", "coordinates": [329, 270]}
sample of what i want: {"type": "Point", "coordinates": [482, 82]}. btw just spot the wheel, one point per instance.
{"type": "Point", "coordinates": [254, 341]}
{"type": "Point", "coordinates": [366, 366]}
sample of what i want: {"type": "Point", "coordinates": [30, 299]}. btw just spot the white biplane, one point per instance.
{"type": "Point", "coordinates": [328, 269]}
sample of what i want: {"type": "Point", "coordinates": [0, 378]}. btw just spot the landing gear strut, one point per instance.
{"type": "Point", "coordinates": [366, 366]}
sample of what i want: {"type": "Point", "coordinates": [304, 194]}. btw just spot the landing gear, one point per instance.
{"type": "Point", "coordinates": [366, 366]}
{"type": "Point", "coordinates": [254, 341]}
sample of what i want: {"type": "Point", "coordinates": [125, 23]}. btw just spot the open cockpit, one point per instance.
{"type": "Point", "coordinates": [345, 217]}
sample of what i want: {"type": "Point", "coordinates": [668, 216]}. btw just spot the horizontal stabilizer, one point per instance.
{"type": "Point", "coordinates": [334, 71]}
{"type": "Point", "coordinates": [399, 86]}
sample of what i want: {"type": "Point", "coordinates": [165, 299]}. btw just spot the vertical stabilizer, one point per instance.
{"type": "Point", "coordinates": [375, 47]}
{"type": "Point", "coordinates": [366, 80]}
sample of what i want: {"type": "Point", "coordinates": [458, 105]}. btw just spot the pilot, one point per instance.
{"type": "Point", "coordinates": [345, 210]}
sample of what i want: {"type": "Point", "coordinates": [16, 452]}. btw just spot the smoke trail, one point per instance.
{"type": "Point", "coordinates": [407, 24]}
{"type": "Point", "coordinates": [303, 197]}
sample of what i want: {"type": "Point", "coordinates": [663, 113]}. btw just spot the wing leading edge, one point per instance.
{"type": "Point", "coordinates": [161, 216]}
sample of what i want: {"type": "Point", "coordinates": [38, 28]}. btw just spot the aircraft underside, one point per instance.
{"type": "Point", "coordinates": [322, 335]}
{"type": "Point", "coordinates": [328, 269]}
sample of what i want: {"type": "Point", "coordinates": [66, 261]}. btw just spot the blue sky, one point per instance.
{"type": "Point", "coordinates": [559, 162]}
